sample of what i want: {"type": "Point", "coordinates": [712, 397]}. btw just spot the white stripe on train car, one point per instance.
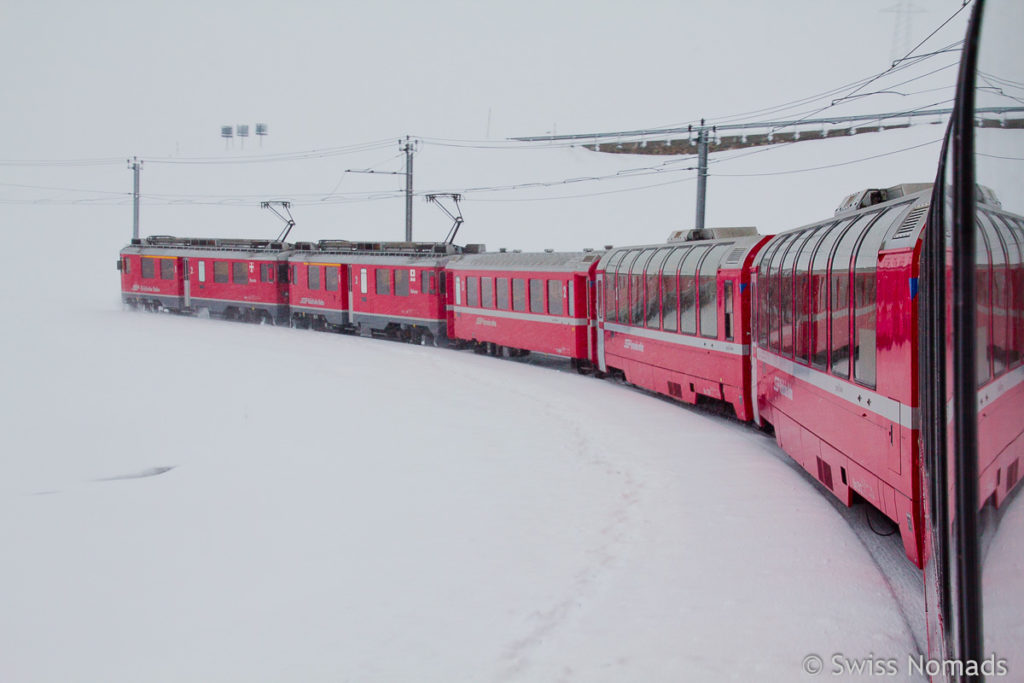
{"type": "Point", "coordinates": [680, 339]}
{"type": "Point", "coordinates": [516, 315]}
{"type": "Point", "coordinates": [859, 396]}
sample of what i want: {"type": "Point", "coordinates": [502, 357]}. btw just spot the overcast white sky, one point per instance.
{"type": "Point", "coordinates": [113, 79]}
{"type": "Point", "coordinates": [117, 78]}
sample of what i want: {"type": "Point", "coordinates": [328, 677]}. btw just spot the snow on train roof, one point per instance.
{"type": "Point", "coordinates": [553, 261]}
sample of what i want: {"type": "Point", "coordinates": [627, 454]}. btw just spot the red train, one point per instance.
{"type": "Point", "coordinates": [812, 332]}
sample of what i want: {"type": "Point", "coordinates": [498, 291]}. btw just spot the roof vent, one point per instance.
{"type": "Point", "coordinates": [502, 250]}
{"type": "Point", "coordinates": [549, 251]}
{"type": "Point", "coordinates": [608, 247]}
{"type": "Point", "coordinates": [710, 234]}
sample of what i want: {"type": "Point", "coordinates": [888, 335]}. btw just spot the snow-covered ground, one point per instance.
{"type": "Point", "coordinates": [188, 499]}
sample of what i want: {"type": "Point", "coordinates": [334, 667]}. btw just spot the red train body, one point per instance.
{"type": "Point", "coordinates": [673, 318]}
{"type": "Point", "coordinates": [228, 278]}
{"type": "Point", "coordinates": [812, 331]}
{"type": "Point", "coordinates": [507, 304]}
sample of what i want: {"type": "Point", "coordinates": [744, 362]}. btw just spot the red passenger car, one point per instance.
{"type": "Point", "coordinates": [514, 303]}
{"type": "Point", "coordinates": [836, 351]}
{"type": "Point", "coordinates": [386, 289]}
{"type": "Point", "coordinates": [229, 278]}
{"type": "Point", "coordinates": [672, 317]}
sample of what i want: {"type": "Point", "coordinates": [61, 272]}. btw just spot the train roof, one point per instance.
{"type": "Point", "coordinates": [381, 253]}
{"type": "Point", "coordinates": [905, 212]}
{"type": "Point", "coordinates": [742, 240]}
{"type": "Point", "coordinates": [231, 248]}
{"type": "Point", "coordinates": [546, 261]}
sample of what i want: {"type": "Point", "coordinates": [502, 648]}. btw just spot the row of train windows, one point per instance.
{"type": "Point", "coordinates": [153, 268]}
{"type": "Point", "coordinates": [1000, 292]}
{"type": "Point", "coordinates": [235, 272]}
{"type": "Point", "coordinates": [817, 295]}
{"type": "Point", "coordinates": [490, 292]}
{"type": "Point", "coordinates": [674, 289]}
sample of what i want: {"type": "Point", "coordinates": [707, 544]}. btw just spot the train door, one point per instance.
{"type": "Point", "coordinates": [599, 328]}
{"type": "Point", "coordinates": [187, 282]}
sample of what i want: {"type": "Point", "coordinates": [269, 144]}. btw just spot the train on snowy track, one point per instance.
{"type": "Point", "coordinates": [812, 333]}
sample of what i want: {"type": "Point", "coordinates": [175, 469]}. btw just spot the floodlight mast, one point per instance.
{"type": "Point", "coordinates": [458, 220]}
{"type": "Point", "coordinates": [289, 221]}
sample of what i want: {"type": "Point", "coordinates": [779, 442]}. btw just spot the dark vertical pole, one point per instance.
{"type": "Point", "coordinates": [136, 166]}
{"type": "Point", "coordinates": [408, 148]}
{"type": "Point", "coordinates": [702, 174]}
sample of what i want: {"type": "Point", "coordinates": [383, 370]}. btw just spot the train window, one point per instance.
{"type": "Point", "coordinates": [167, 269]}
{"type": "Point", "coordinates": [313, 276]}
{"type": "Point", "coordinates": [221, 271]}
{"type": "Point", "coordinates": [202, 271]}
{"type": "Point", "coordinates": [762, 318]}
{"type": "Point", "coordinates": [556, 303]}
{"type": "Point", "coordinates": [787, 300]}
{"type": "Point", "coordinates": [983, 295]}
{"type": "Point", "coordinates": [383, 281]}
{"type": "Point", "coordinates": [773, 311]}
{"type": "Point", "coordinates": [473, 292]}
{"type": "Point", "coordinates": [264, 272]}
{"type": "Point", "coordinates": [536, 296]}
{"type": "Point", "coordinates": [727, 307]}
{"type": "Point", "coordinates": [148, 267]}
{"type": "Point", "coordinates": [819, 293]}
{"type": "Point", "coordinates": [458, 290]}
{"type": "Point", "coordinates": [1000, 295]}
{"type": "Point", "coordinates": [622, 286]}
{"type": "Point", "coordinates": [502, 293]}
{"type": "Point", "coordinates": [331, 278]}
{"type": "Point", "coordinates": [429, 282]}
{"type": "Point", "coordinates": [1015, 288]}
{"type": "Point", "coordinates": [442, 283]}
{"type": "Point", "coordinates": [401, 282]}
{"type": "Point", "coordinates": [572, 298]}
{"type": "Point", "coordinates": [688, 290]}
{"type": "Point", "coordinates": [653, 278]}
{"type": "Point", "coordinates": [240, 273]}
{"type": "Point", "coordinates": [518, 294]}
{"type": "Point", "coordinates": [609, 284]}
{"type": "Point", "coordinates": [487, 292]}
{"type": "Point", "coordinates": [865, 297]}
{"type": "Point", "coordinates": [670, 290]}
{"type": "Point", "coordinates": [707, 291]}
{"type": "Point", "coordinates": [362, 281]}
{"type": "Point", "coordinates": [636, 287]}
{"type": "Point", "coordinates": [801, 296]}
{"type": "Point", "coordinates": [839, 289]}
{"type": "Point", "coordinates": [287, 273]}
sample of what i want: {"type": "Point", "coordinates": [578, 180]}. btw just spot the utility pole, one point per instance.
{"type": "Point", "coordinates": [702, 174]}
{"type": "Point", "coordinates": [136, 167]}
{"type": "Point", "coordinates": [409, 147]}
{"type": "Point", "coordinates": [761, 133]}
